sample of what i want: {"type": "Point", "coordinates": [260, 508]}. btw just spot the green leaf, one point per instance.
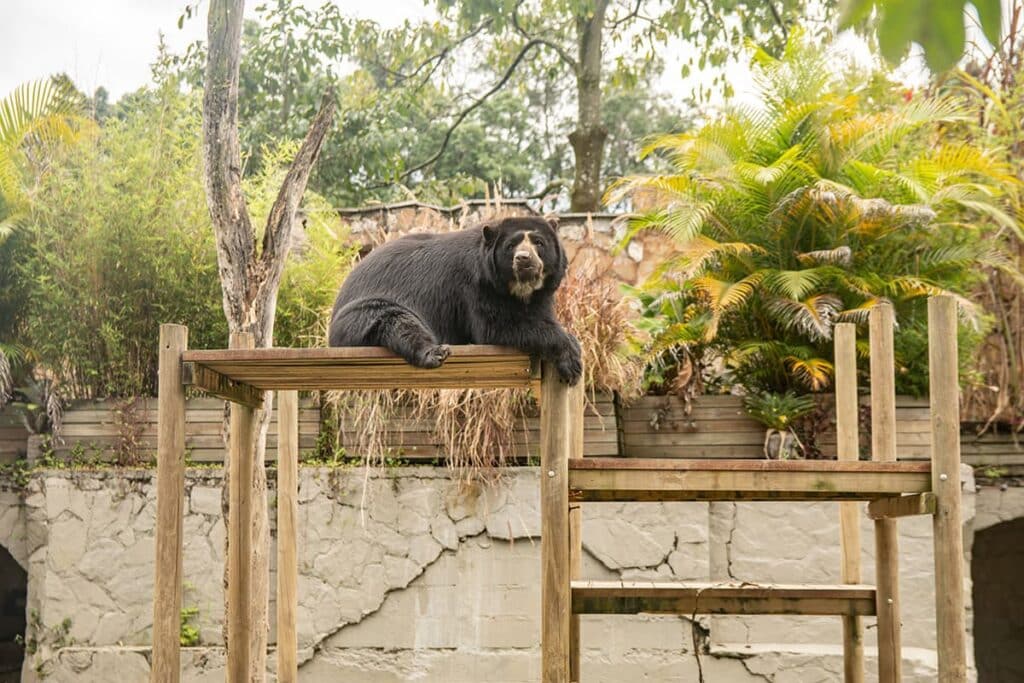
{"type": "Point", "coordinates": [941, 34]}
{"type": "Point", "coordinates": [898, 27]}
{"type": "Point", "coordinates": [937, 25]}
{"type": "Point", "coordinates": [989, 12]}
{"type": "Point", "coordinates": [852, 12]}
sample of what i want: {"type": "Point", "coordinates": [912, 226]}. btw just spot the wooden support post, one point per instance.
{"type": "Point", "coordinates": [883, 449]}
{"type": "Point", "coordinates": [555, 446]}
{"type": "Point", "coordinates": [848, 448]}
{"type": "Point", "coordinates": [240, 462]}
{"type": "Point", "coordinates": [944, 391]}
{"type": "Point", "coordinates": [170, 507]}
{"type": "Point", "coordinates": [577, 403]}
{"type": "Point", "coordinates": [287, 516]}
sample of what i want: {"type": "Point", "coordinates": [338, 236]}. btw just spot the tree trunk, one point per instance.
{"type": "Point", "coordinates": [250, 277]}
{"type": "Point", "coordinates": [588, 139]}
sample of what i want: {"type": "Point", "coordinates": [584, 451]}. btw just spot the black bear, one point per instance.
{"type": "Point", "coordinates": [490, 284]}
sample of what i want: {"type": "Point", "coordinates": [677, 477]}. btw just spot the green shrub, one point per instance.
{"type": "Point", "coordinates": [120, 241]}
{"type": "Point", "coordinates": [807, 211]}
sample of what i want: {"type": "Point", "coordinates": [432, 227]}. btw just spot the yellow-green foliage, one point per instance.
{"type": "Point", "coordinates": [119, 240]}
{"type": "Point", "coordinates": [810, 209]}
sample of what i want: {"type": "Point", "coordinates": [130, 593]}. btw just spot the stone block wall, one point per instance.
{"type": "Point", "coordinates": [406, 575]}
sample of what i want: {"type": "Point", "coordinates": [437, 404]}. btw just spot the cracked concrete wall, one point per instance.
{"type": "Point", "coordinates": [404, 575]}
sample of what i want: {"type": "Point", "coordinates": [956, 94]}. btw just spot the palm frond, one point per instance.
{"type": "Point", "coordinates": [813, 373]}
{"type": "Point", "coordinates": [813, 317]}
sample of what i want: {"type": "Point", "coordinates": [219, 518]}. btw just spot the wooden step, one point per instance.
{"type": "Point", "coordinates": [653, 597]}
{"type": "Point", "coordinates": [649, 479]}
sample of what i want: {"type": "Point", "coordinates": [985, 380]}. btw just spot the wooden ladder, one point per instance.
{"type": "Point", "coordinates": [893, 489]}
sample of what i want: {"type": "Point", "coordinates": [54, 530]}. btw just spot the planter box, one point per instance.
{"type": "Point", "coordinates": [719, 427]}
{"type": "Point", "coordinates": [13, 436]}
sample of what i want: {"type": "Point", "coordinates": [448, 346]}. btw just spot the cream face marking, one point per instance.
{"type": "Point", "coordinates": [526, 252]}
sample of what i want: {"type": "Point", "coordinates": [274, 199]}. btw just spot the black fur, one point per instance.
{"type": "Point", "coordinates": [420, 293]}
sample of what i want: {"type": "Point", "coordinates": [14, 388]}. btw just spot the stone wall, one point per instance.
{"type": "Point", "coordinates": [405, 575]}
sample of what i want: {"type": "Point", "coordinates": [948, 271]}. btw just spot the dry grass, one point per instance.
{"type": "Point", "coordinates": [589, 305]}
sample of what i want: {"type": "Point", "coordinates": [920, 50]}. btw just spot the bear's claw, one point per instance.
{"type": "Point", "coordinates": [434, 356]}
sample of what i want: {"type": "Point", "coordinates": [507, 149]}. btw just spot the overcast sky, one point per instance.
{"type": "Point", "coordinates": [113, 42]}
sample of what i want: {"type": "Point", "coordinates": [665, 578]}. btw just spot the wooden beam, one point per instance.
{"type": "Point", "coordinates": [883, 449]}
{"type": "Point", "coordinates": [170, 507]}
{"type": "Point", "coordinates": [240, 463]}
{"type": "Point", "coordinates": [367, 368]}
{"type": "Point", "coordinates": [902, 506]}
{"type": "Point", "coordinates": [555, 444]}
{"type": "Point", "coordinates": [944, 392]}
{"type": "Point", "coordinates": [287, 520]}
{"type": "Point", "coordinates": [216, 384]}
{"type": "Point", "coordinates": [848, 450]}
{"type": "Point", "coordinates": [648, 597]}
{"type": "Point", "coordinates": [577, 404]}
{"type": "Point", "coordinates": [628, 479]}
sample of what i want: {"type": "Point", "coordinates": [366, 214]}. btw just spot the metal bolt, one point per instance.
{"type": "Point", "coordinates": [551, 473]}
{"type": "Point", "coordinates": [888, 601]}
{"type": "Point", "coordinates": [943, 477]}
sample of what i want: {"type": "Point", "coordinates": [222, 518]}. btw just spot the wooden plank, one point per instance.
{"type": "Point", "coordinates": [619, 479]}
{"type": "Point", "coordinates": [376, 355]}
{"type": "Point", "coordinates": [883, 449]}
{"type": "Point", "coordinates": [170, 508]}
{"type": "Point", "coordinates": [647, 597]}
{"type": "Point", "coordinates": [366, 368]}
{"type": "Point", "coordinates": [944, 390]}
{"type": "Point", "coordinates": [216, 384]}
{"type": "Point", "coordinates": [577, 398]}
{"type": "Point", "coordinates": [239, 559]}
{"type": "Point", "coordinates": [762, 465]}
{"type": "Point", "coordinates": [556, 444]}
{"type": "Point", "coordinates": [902, 506]}
{"type": "Point", "coordinates": [848, 446]}
{"type": "Point", "coordinates": [287, 520]}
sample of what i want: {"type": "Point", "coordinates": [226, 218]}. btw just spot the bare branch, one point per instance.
{"type": "Point", "coordinates": [277, 237]}
{"type": "Point", "coordinates": [436, 59]}
{"type": "Point", "coordinates": [778, 19]}
{"type": "Point", "coordinates": [562, 54]}
{"type": "Point", "coordinates": [476, 103]}
{"type": "Point", "coordinates": [615, 23]}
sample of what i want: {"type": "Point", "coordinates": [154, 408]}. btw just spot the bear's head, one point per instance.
{"type": "Point", "coordinates": [523, 255]}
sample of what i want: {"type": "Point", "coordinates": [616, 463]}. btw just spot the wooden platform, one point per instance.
{"type": "Point", "coordinates": [620, 479]}
{"type": "Point", "coordinates": [653, 597]}
{"type": "Point", "coordinates": [234, 373]}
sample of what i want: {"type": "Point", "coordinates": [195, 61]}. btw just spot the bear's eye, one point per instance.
{"type": "Point", "coordinates": [538, 242]}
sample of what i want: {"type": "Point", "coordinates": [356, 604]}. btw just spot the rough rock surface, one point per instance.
{"type": "Point", "coordinates": [405, 575]}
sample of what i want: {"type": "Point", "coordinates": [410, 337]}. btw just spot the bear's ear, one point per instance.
{"type": "Point", "coordinates": [553, 222]}
{"type": "Point", "coordinates": [490, 232]}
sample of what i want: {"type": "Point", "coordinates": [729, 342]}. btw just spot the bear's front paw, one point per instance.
{"type": "Point", "coordinates": [433, 356]}
{"type": "Point", "coordinates": [570, 366]}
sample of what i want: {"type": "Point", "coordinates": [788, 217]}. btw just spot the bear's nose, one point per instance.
{"type": "Point", "coordinates": [523, 257]}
